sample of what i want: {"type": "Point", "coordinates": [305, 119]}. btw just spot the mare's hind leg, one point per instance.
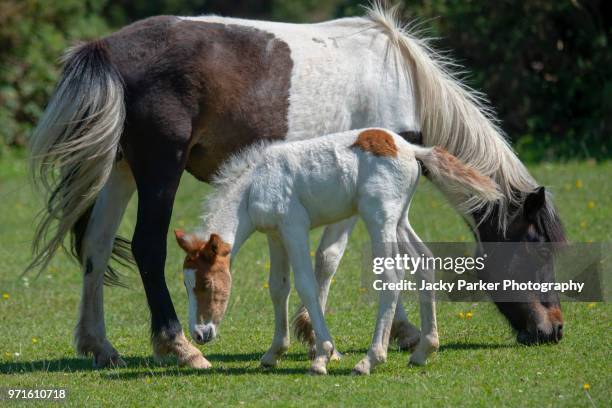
{"type": "Point", "coordinates": [429, 341]}
{"type": "Point", "coordinates": [97, 244]}
{"type": "Point", "coordinates": [327, 258]}
{"type": "Point", "coordinates": [405, 333]}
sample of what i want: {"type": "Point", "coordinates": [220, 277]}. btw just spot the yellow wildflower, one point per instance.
{"type": "Point", "coordinates": [362, 290]}
{"type": "Point", "coordinates": [583, 224]}
{"type": "Point", "coordinates": [34, 340]}
{"type": "Point", "coordinates": [266, 286]}
{"type": "Point", "coordinates": [591, 305]}
{"type": "Point", "coordinates": [591, 204]}
{"type": "Point", "coordinates": [578, 183]}
{"type": "Point", "coordinates": [461, 315]}
{"type": "Point", "coordinates": [586, 386]}
{"type": "Point", "coordinates": [469, 315]}
{"type": "Point", "coordinates": [5, 296]}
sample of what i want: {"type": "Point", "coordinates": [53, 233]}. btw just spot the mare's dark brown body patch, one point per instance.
{"type": "Point", "coordinates": [232, 80]}
{"type": "Point", "coordinates": [377, 142]}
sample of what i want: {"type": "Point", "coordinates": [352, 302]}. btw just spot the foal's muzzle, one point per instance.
{"type": "Point", "coordinates": [204, 333]}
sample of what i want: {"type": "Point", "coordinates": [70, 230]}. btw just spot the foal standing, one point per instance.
{"type": "Point", "coordinates": [287, 189]}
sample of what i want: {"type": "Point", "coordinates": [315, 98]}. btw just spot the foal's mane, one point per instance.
{"type": "Point", "coordinates": [233, 176]}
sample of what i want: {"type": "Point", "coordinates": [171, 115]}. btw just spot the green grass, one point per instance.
{"type": "Point", "coordinates": [479, 362]}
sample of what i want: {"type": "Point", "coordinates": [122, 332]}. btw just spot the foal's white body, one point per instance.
{"type": "Point", "coordinates": [284, 190]}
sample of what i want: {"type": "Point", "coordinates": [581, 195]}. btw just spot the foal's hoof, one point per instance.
{"type": "Point", "coordinates": [268, 362]}
{"type": "Point", "coordinates": [417, 359]}
{"type": "Point", "coordinates": [362, 368]}
{"type": "Point", "coordinates": [317, 369]}
{"type": "Point", "coordinates": [335, 356]}
{"type": "Point", "coordinates": [108, 360]}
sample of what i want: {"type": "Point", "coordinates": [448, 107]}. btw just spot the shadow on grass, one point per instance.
{"type": "Point", "coordinates": [140, 367]}
{"type": "Point", "coordinates": [473, 346]}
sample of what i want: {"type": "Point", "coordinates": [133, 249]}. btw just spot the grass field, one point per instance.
{"type": "Point", "coordinates": [479, 362]}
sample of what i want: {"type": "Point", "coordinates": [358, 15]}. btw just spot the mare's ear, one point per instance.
{"type": "Point", "coordinates": [190, 244]}
{"type": "Point", "coordinates": [534, 202]}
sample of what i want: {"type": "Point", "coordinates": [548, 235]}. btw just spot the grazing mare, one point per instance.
{"type": "Point", "coordinates": [285, 190]}
{"type": "Point", "coordinates": [133, 110]}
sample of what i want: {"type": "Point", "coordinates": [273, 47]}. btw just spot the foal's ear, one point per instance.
{"type": "Point", "coordinates": [216, 246]}
{"type": "Point", "coordinates": [190, 245]}
{"type": "Point", "coordinates": [534, 202]}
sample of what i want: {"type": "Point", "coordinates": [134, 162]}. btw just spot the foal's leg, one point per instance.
{"type": "Point", "coordinates": [295, 239]}
{"type": "Point", "coordinates": [327, 258]}
{"type": "Point", "coordinates": [329, 253]}
{"type": "Point", "coordinates": [382, 224]}
{"type": "Point", "coordinates": [280, 287]}
{"type": "Point", "coordinates": [97, 244]}
{"type": "Point", "coordinates": [157, 155]}
{"type": "Point", "coordinates": [429, 341]}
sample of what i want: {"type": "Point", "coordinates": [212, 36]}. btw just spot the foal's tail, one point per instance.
{"type": "Point", "coordinates": [463, 183]}
{"type": "Point", "coordinates": [74, 146]}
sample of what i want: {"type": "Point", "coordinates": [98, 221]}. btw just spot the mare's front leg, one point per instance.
{"type": "Point", "coordinates": [294, 233]}
{"type": "Point", "coordinates": [280, 287]}
{"type": "Point", "coordinates": [157, 159]}
{"type": "Point", "coordinates": [428, 342]}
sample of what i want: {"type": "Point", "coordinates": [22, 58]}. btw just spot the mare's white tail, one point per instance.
{"type": "Point", "coordinates": [74, 146]}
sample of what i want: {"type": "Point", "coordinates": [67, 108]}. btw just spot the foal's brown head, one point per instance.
{"type": "Point", "coordinates": [208, 281]}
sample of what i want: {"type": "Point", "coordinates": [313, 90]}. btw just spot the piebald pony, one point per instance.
{"type": "Point", "coordinates": [286, 189]}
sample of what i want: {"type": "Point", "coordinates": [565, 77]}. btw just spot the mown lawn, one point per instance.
{"type": "Point", "coordinates": [479, 362]}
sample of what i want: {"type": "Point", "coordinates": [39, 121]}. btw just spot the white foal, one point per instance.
{"type": "Point", "coordinates": [286, 189]}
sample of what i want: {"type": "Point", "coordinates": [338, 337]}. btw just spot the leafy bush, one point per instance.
{"type": "Point", "coordinates": [33, 34]}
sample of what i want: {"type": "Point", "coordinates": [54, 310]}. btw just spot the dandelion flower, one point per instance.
{"type": "Point", "coordinates": [586, 386]}
{"type": "Point", "coordinates": [34, 340]}
{"type": "Point", "coordinates": [6, 296]}
{"type": "Point", "coordinates": [149, 380]}
{"type": "Point", "coordinates": [591, 204]}
{"type": "Point", "coordinates": [461, 315]}
{"type": "Point", "coordinates": [469, 315]}
{"type": "Point", "coordinates": [265, 285]}
{"type": "Point", "coordinates": [578, 183]}
{"type": "Point", "coordinates": [591, 305]}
